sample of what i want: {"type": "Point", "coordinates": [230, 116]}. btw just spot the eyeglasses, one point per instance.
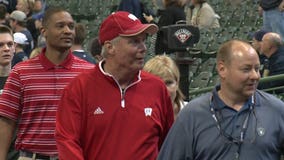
{"type": "Point", "coordinates": [230, 138]}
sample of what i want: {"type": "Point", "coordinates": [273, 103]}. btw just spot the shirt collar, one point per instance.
{"type": "Point", "coordinates": [78, 50]}
{"type": "Point", "coordinates": [47, 64]}
{"type": "Point", "coordinates": [219, 104]}
{"type": "Point", "coordinates": [135, 80]}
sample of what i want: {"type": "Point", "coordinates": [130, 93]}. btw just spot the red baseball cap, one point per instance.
{"type": "Point", "coordinates": [123, 23]}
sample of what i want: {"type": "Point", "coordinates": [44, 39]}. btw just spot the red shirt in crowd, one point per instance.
{"type": "Point", "coordinates": [31, 96]}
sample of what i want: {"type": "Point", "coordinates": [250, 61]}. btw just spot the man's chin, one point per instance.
{"type": "Point", "coordinates": [249, 93]}
{"type": "Point", "coordinates": [68, 45]}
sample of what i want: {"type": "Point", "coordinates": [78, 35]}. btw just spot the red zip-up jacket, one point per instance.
{"type": "Point", "coordinates": [97, 120]}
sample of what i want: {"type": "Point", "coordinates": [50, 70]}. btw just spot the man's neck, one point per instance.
{"type": "Point", "coordinates": [5, 70]}
{"type": "Point", "coordinates": [124, 77]}
{"type": "Point", "coordinates": [234, 101]}
{"type": "Point", "coordinates": [56, 56]}
{"type": "Point", "coordinates": [272, 51]}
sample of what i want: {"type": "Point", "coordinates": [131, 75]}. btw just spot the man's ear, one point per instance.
{"type": "Point", "coordinates": [109, 47]}
{"type": "Point", "coordinates": [43, 32]}
{"type": "Point", "coordinates": [221, 69]}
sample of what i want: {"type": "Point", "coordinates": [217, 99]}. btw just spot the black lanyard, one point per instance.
{"type": "Point", "coordinates": [229, 137]}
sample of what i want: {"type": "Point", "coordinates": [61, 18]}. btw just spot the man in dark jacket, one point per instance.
{"type": "Point", "coordinates": [272, 48]}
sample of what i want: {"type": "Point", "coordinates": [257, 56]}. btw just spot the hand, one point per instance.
{"type": "Point", "coordinates": [148, 18]}
{"type": "Point", "coordinates": [281, 6]}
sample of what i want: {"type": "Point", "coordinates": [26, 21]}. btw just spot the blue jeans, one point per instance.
{"type": "Point", "coordinates": [273, 21]}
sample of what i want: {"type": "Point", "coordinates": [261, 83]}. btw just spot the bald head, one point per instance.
{"type": "Point", "coordinates": [273, 38]}
{"type": "Point", "coordinates": [233, 48]}
{"type": "Point", "coordinates": [270, 43]}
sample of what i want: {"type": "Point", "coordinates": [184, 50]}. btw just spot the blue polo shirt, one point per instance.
{"type": "Point", "coordinates": [195, 135]}
{"type": "Point", "coordinates": [231, 121]}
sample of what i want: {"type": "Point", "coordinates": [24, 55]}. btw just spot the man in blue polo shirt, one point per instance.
{"type": "Point", "coordinates": [235, 121]}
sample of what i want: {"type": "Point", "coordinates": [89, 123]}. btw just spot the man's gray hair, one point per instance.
{"type": "Point", "coordinates": [104, 50]}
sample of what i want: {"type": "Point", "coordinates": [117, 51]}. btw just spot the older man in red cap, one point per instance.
{"type": "Point", "coordinates": [117, 111]}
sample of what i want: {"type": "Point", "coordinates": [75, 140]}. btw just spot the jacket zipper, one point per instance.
{"type": "Point", "coordinates": [122, 98]}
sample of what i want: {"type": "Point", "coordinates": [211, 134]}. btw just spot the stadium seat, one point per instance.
{"type": "Point", "coordinates": [193, 67]}
{"type": "Point", "coordinates": [208, 65]}
{"type": "Point", "coordinates": [199, 47]}
{"type": "Point", "coordinates": [200, 81]}
{"type": "Point", "coordinates": [212, 49]}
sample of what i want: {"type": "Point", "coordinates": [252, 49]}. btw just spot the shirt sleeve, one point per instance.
{"type": "Point", "coordinates": [68, 125]}
{"type": "Point", "coordinates": [179, 141]}
{"type": "Point", "coordinates": [168, 116]}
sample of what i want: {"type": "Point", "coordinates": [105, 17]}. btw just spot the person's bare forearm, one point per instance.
{"type": "Point", "coordinates": [7, 128]}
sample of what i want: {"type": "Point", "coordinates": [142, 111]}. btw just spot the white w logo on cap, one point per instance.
{"type": "Point", "coordinates": [131, 16]}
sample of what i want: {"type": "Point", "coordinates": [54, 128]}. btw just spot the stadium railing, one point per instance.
{"type": "Point", "coordinates": [197, 92]}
